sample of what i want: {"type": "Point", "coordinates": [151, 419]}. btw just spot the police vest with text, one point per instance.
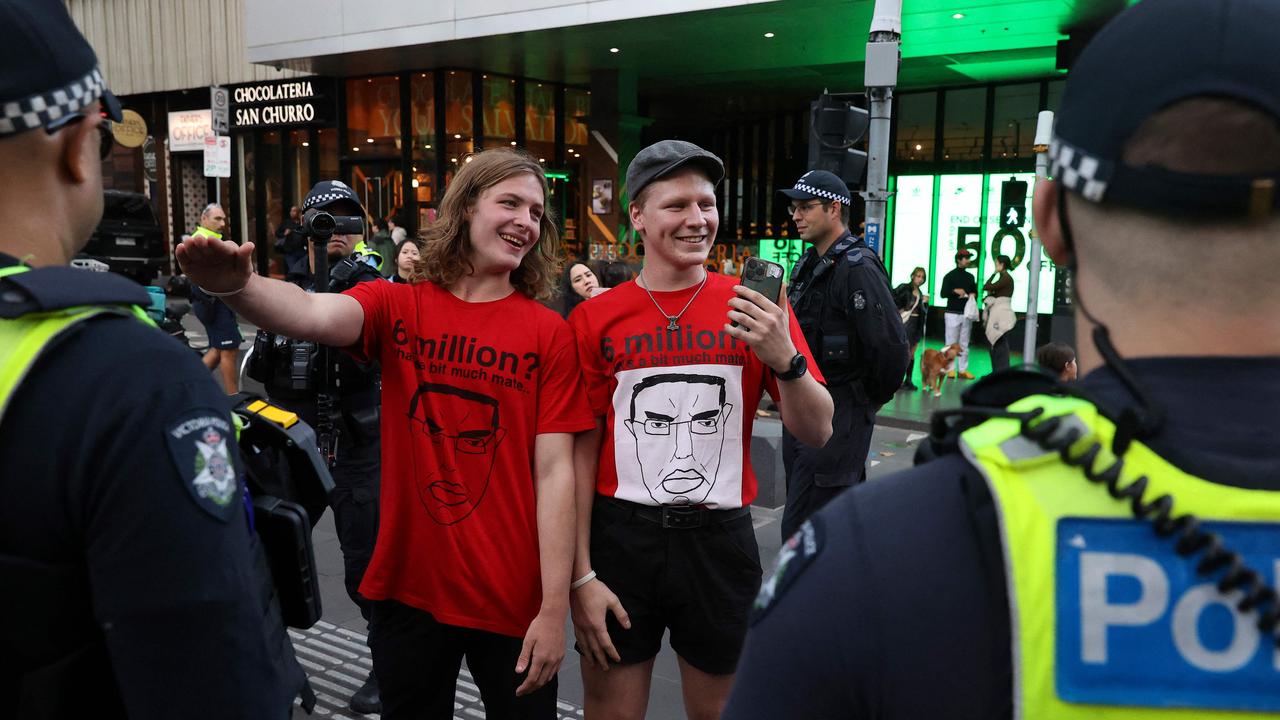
{"type": "Point", "coordinates": [1117, 616]}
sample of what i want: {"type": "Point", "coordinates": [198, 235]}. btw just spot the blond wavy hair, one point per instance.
{"type": "Point", "coordinates": [446, 244]}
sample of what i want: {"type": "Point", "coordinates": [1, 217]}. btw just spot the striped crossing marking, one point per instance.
{"type": "Point", "coordinates": [337, 662]}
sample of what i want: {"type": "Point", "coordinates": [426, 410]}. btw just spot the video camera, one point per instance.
{"type": "Point", "coordinates": [320, 225]}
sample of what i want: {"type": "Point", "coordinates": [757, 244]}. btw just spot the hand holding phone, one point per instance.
{"type": "Point", "coordinates": [764, 277]}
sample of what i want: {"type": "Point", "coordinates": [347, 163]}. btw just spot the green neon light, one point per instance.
{"type": "Point", "coordinates": [556, 175]}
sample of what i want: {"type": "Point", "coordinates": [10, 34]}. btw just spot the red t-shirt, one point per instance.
{"type": "Point", "coordinates": [465, 388]}
{"type": "Point", "coordinates": [678, 405]}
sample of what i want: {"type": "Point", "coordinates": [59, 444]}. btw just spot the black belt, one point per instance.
{"type": "Point", "coordinates": [676, 517]}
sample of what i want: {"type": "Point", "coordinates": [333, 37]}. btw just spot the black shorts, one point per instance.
{"type": "Point", "coordinates": [416, 660]}
{"type": "Point", "coordinates": [700, 582]}
{"type": "Point", "coordinates": [219, 323]}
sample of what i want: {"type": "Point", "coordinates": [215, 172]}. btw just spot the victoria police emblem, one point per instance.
{"type": "Point", "coordinates": [202, 450]}
{"type": "Point", "coordinates": [796, 554]}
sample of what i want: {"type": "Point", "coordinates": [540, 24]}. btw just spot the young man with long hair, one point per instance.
{"type": "Point", "coordinates": [675, 362]}
{"type": "Point", "coordinates": [479, 405]}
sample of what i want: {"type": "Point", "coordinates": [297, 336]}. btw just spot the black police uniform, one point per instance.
{"type": "Point", "coordinates": [907, 580]}
{"type": "Point", "coordinates": [125, 591]}
{"type": "Point", "coordinates": [846, 310]}
{"type": "Point", "coordinates": [356, 396]}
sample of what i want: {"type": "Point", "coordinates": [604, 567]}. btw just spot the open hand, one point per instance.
{"type": "Point", "coordinates": [591, 605]}
{"type": "Point", "coordinates": [216, 265]}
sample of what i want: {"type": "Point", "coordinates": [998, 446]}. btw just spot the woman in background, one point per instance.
{"type": "Point", "coordinates": [913, 308]}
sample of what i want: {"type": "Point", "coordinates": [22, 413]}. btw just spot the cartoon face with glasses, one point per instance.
{"type": "Point", "coordinates": [463, 429]}
{"type": "Point", "coordinates": [678, 422]}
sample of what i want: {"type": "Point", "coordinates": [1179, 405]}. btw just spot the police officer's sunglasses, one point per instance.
{"type": "Point", "coordinates": [105, 140]}
{"type": "Point", "coordinates": [803, 207]}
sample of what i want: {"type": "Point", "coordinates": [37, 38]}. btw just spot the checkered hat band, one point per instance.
{"type": "Point", "coordinates": [43, 108]}
{"type": "Point", "coordinates": [803, 187]}
{"type": "Point", "coordinates": [326, 198]}
{"type": "Point", "coordinates": [1078, 171]}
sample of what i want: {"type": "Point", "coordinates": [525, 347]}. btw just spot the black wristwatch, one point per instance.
{"type": "Point", "coordinates": [799, 366]}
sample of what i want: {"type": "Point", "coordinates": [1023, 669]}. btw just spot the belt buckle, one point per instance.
{"type": "Point", "coordinates": [681, 517]}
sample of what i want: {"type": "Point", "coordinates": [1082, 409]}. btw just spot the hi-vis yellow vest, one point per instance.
{"type": "Point", "coordinates": [23, 339]}
{"type": "Point", "coordinates": [1108, 620]}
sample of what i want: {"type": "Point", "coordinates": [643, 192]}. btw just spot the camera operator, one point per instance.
{"type": "Point", "coordinates": [335, 394]}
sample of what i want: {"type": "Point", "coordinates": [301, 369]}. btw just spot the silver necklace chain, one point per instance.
{"type": "Point", "coordinates": [673, 320]}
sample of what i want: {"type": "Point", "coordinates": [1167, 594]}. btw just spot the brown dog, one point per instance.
{"type": "Point", "coordinates": [933, 367]}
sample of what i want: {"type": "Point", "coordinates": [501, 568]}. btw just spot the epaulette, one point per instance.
{"type": "Point", "coordinates": [979, 402]}
{"type": "Point", "coordinates": [57, 288]}
{"type": "Point", "coordinates": [856, 256]}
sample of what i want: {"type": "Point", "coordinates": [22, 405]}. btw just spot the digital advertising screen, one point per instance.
{"type": "Point", "coordinates": [1008, 232]}
{"type": "Point", "coordinates": [958, 221]}
{"type": "Point", "coordinates": [912, 227]}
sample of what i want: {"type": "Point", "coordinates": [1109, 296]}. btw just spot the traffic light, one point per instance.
{"type": "Point", "coordinates": [836, 126]}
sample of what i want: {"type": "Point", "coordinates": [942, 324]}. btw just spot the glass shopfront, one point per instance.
{"type": "Point", "coordinates": [397, 140]}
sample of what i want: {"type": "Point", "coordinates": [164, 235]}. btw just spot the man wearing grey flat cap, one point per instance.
{"type": "Point", "coordinates": [664, 483]}
{"type": "Point", "coordinates": [1104, 549]}
{"type": "Point", "coordinates": [133, 582]}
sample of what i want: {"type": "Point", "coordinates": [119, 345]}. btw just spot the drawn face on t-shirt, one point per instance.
{"type": "Point", "coordinates": [678, 422]}
{"type": "Point", "coordinates": [464, 433]}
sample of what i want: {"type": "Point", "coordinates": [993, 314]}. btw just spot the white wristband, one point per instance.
{"type": "Point", "coordinates": [583, 580]}
{"type": "Point", "coordinates": [225, 294]}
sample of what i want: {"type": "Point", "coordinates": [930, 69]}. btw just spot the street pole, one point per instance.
{"type": "Point", "coordinates": [881, 77]}
{"type": "Point", "coordinates": [1044, 128]}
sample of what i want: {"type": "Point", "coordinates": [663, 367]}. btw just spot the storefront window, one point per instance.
{"type": "Point", "coordinates": [1013, 128]}
{"type": "Point", "coordinates": [298, 165]}
{"type": "Point", "coordinates": [578, 184]}
{"type": "Point", "coordinates": [459, 125]}
{"type": "Point", "coordinates": [248, 194]}
{"type": "Point", "coordinates": [328, 139]}
{"type": "Point", "coordinates": [423, 99]}
{"type": "Point", "coordinates": [964, 128]}
{"type": "Point", "coordinates": [499, 111]}
{"type": "Point", "coordinates": [917, 124]}
{"type": "Point", "coordinates": [540, 121]}
{"type": "Point", "coordinates": [373, 117]}
{"type": "Point", "coordinates": [270, 152]}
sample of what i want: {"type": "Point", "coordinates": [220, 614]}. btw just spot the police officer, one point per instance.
{"type": "Point", "coordinates": [1105, 549]}
{"type": "Point", "coordinates": [341, 402]}
{"type": "Point", "coordinates": [840, 293]}
{"type": "Point", "coordinates": [132, 581]}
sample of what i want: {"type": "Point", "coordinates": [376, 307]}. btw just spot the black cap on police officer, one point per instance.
{"type": "Point", "coordinates": [48, 72]}
{"type": "Point", "coordinates": [1152, 56]}
{"type": "Point", "coordinates": [819, 185]}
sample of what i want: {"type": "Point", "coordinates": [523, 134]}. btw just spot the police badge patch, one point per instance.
{"type": "Point", "coordinates": [200, 443]}
{"type": "Point", "coordinates": [796, 554]}
{"type": "Point", "coordinates": [859, 300]}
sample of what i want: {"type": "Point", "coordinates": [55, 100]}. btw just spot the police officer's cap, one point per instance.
{"type": "Point", "coordinates": [663, 158]}
{"type": "Point", "coordinates": [48, 71]}
{"type": "Point", "coordinates": [1149, 57]}
{"type": "Point", "coordinates": [819, 185]}
{"type": "Point", "coordinates": [327, 192]}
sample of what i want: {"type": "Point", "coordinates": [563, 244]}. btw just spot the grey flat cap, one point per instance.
{"type": "Point", "coordinates": [663, 158]}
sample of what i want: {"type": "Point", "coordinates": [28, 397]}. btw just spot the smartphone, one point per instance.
{"type": "Point", "coordinates": [764, 277]}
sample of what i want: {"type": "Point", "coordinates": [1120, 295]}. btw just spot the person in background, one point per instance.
{"type": "Point", "coordinates": [292, 245]}
{"type": "Point", "coordinates": [406, 257]}
{"type": "Point", "coordinates": [579, 283]}
{"type": "Point", "coordinates": [913, 308]}
{"type": "Point", "coordinates": [957, 287]}
{"type": "Point", "coordinates": [998, 310]}
{"type": "Point", "coordinates": [385, 246]}
{"type": "Point", "coordinates": [615, 273]}
{"type": "Point", "coordinates": [1058, 359]}
{"type": "Point", "coordinates": [219, 321]}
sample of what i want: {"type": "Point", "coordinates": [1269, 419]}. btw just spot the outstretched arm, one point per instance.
{"type": "Point", "coordinates": [220, 266]}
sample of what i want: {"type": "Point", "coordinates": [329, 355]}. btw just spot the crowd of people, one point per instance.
{"type": "Point", "coordinates": [499, 468]}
